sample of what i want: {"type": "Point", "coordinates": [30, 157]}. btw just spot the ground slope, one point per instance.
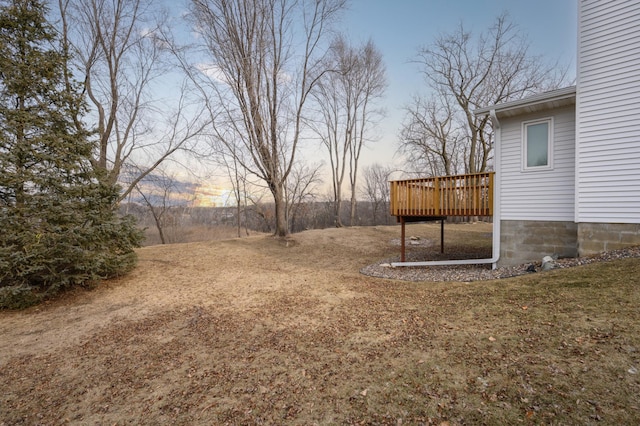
{"type": "Point", "coordinates": [266, 331]}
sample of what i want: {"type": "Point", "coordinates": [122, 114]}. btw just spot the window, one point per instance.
{"type": "Point", "coordinates": [538, 143]}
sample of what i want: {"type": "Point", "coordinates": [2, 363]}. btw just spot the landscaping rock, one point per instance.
{"type": "Point", "coordinates": [548, 263]}
{"type": "Point", "coordinates": [469, 273]}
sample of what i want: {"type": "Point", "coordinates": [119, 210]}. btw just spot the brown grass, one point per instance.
{"type": "Point", "coordinates": [193, 233]}
{"type": "Point", "coordinates": [265, 331]}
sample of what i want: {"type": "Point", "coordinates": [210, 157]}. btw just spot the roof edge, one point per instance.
{"type": "Point", "coordinates": [553, 95]}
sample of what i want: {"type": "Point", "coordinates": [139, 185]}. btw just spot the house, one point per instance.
{"type": "Point", "coordinates": [567, 162]}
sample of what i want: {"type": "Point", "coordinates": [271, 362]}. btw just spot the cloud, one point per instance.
{"type": "Point", "coordinates": [154, 36]}
{"type": "Point", "coordinates": [213, 72]}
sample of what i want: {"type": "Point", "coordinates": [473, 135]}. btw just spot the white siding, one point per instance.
{"type": "Point", "coordinates": [538, 195]}
{"type": "Point", "coordinates": [608, 112]}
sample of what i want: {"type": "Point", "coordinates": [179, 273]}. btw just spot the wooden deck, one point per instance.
{"type": "Point", "coordinates": [461, 195]}
{"type": "Point", "coordinates": [436, 198]}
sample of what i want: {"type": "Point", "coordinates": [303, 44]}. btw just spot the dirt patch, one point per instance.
{"type": "Point", "coordinates": [257, 331]}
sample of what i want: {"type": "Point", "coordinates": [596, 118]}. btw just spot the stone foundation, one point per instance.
{"type": "Point", "coordinates": [598, 237]}
{"type": "Point", "coordinates": [524, 241]}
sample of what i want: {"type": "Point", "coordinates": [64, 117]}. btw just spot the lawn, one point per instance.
{"type": "Point", "coordinates": [265, 331]}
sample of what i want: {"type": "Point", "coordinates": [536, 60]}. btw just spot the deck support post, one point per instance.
{"type": "Point", "coordinates": [403, 220]}
{"type": "Point", "coordinates": [402, 233]}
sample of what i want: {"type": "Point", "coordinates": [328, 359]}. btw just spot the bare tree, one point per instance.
{"type": "Point", "coordinates": [431, 138]}
{"type": "Point", "coordinates": [162, 193]}
{"type": "Point", "coordinates": [238, 178]}
{"type": "Point", "coordinates": [120, 58]}
{"type": "Point", "coordinates": [301, 190]}
{"type": "Point", "coordinates": [264, 58]}
{"type": "Point", "coordinates": [334, 99]}
{"type": "Point", "coordinates": [261, 210]}
{"type": "Point", "coordinates": [373, 81]}
{"type": "Point", "coordinates": [494, 67]}
{"type": "Point", "coordinates": [218, 157]}
{"type": "Point", "coordinates": [376, 189]}
{"type": "Point", "coordinates": [346, 99]}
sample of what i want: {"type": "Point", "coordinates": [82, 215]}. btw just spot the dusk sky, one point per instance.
{"type": "Point", "coordinates": [399, 28]}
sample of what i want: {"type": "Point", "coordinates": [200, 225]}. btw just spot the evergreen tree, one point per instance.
{"type": "Point", "coordinates": [59, 226]}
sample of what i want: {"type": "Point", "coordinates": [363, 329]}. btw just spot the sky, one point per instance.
{"type": "Point", "coordinates": [400, 27]}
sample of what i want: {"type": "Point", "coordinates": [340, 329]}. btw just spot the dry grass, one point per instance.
{"type": "Point", "coordinates": [193, 233]}
{"type": "Point", "coordinates": [263, 331]}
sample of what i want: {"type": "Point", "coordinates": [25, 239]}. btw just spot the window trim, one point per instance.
{"type": "Point", "coordinates": [549, 165]}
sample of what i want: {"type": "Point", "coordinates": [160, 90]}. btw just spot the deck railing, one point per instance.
{"type": "Point", "coordinates": [461, 195]}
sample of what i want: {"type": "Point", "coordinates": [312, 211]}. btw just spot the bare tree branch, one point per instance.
{"type": "Point", "coordinates": [376, 190]}
{"type": "Point", "coordinates": [494, 67]}
{"type": "Point", "coordinates": [430, 137]}
{"type": "Point", "coordinates": [262, 78]}
{"type": "Point", "coordinates": [120, 57]}
{"type": "Point", "coordinates": [345, 99]}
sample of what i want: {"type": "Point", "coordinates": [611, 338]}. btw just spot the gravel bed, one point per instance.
{"type": "Point", "coordinates": [468, 273]}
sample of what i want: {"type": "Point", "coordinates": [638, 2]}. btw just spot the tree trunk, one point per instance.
{"type": "Point", "coordinates": [337, 206]}
{"type": "Point", "coordinates": [238, 213]}
{"type": "Point", "coordinates": [352, 216]}
{"type": "Point", "coordinates": [281, 206]}
{"type": "Point", "coordinates": [158, 222]}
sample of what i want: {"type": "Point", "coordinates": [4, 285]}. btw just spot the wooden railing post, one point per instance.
{"type": "Point", "coordinates": [392, 207]}
{"type": "Point", "coordinates": [436, 196]}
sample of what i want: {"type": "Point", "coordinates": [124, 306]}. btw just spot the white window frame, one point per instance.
{"type": "Point", "coordinates": [549, 165]}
